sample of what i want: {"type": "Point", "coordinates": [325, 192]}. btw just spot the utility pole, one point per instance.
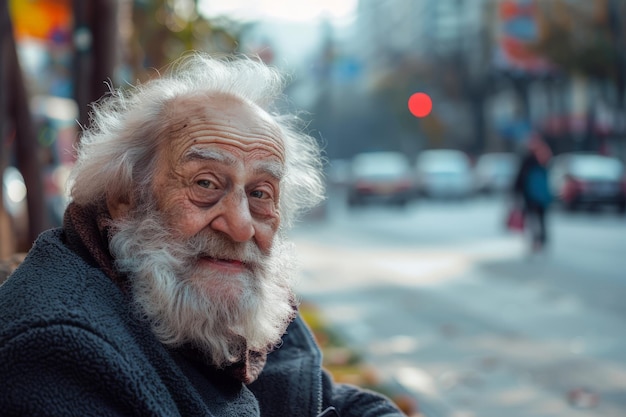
{"type": "Point", "coordinates": [95, 51]}
{"type": "Point", "coordinates": [83, 40]}
{"type": "Point", "coordinates": [615, 13]}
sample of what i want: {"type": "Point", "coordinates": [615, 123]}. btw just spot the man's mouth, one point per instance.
{"type": "Point", "coordinates": [221, 263]}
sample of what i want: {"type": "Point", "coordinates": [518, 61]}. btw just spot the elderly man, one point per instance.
{"type": "Point", "coordinates": [167, 291]}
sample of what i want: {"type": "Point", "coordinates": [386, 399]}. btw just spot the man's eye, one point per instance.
{"type": "Point", "coordinates": [205, 184]}
{"type": "Point", "coordinates": [258, 194]}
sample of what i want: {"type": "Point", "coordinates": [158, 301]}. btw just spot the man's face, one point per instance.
{"type": "Point", "coordinates": [207, 266]}
{"type": "Point", "coordinates": [222, 173]}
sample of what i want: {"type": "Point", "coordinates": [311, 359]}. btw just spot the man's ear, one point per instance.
{"type": "Point", "coordinates": [118, 206]}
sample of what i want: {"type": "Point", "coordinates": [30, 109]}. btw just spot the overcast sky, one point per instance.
{"type": "Point", "coordinates": [293, 10]}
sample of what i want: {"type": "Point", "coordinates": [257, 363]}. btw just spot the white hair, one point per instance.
{"type": "Point", "coordinates": [117, 153]}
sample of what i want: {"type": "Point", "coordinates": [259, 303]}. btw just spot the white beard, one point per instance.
{"type": "Point", "coordinates": [222, 315]}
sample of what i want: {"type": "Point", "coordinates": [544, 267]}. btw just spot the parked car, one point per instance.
{"type": "Point", "coordinates": [381, 177]}
{"type": "Point", "coordinates": [444, 173]}
{"type": "Point", "coordinates": [495, 172]}
{"type": "Point", "coordinates": [588, 179]}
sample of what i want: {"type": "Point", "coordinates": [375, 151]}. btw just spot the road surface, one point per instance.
{"type": "Point", "coordinates": [444, 301]}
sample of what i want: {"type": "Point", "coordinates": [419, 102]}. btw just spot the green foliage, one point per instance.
{"type": "Point", "coordinates": [162, 31]}
{"type": "Point", "coordinates": [577, 42]}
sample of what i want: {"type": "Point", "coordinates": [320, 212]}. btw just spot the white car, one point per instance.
{"type": "Point", "coordinates": [444, 173]}
{"type": "Point", "coordinates": [495, 172]}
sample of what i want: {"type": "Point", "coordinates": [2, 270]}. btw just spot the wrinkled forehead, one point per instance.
{"type": "Point", "coordinates": [222, 119]}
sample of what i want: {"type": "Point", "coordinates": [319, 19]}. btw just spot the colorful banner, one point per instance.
{"type": "Point", "coordinates": [517, 30]}
{"type": "Point", "coordinates": [42, 19]}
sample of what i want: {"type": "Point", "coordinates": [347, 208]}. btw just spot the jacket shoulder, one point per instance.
{"type": "Point", "coordinates": [53, 284]}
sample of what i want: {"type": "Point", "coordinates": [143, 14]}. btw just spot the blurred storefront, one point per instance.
{"type": "Point", "coordinates": [38, 115]}
{"type": "Point", "coordinates": [562, 62]}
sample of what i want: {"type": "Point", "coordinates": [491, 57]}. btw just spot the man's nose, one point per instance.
{"type": "Point", "coordinates": [234, 218]}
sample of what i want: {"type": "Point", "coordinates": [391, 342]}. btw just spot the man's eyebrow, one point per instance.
{"type": "Point", "coordinates": [273, 168]}
{"type": "Point", "coordinates": [201, 154]}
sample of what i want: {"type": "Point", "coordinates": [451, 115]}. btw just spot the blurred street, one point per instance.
{"type": "Point", "coordinates": [446, 302]}
{"type": "Point", "coordinates": [438, 295]}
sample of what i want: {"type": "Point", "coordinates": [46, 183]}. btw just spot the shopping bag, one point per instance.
{"type": "Point", "coordinates": [515, 220]}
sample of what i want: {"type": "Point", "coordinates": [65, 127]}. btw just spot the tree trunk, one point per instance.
{"type": "Point", "coordinates": [105, 44]}
{"type": "Point", "coordinates": [26, 147]}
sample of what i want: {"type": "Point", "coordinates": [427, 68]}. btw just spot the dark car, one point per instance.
{"type": "Point", "coordinates": [588, 180]}
{"type": "Point", "coordinates": [380, 177]}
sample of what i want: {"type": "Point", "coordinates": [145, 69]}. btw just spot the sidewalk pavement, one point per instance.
{"type": "Point", "coordinates": [466, 340]}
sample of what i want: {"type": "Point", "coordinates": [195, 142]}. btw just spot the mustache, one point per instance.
{"type": "Point", "coordinates": [219, 246]}
{"type": "Point", "coordinates": [148, 231]}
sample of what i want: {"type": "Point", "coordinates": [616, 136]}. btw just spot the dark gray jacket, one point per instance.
{"type": "Point", "coordinates": [70, 347]}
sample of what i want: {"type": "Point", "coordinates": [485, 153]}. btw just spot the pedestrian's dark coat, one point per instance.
{"type": "Point", "coordinates": [531, 182]}
{"type": "Point", "coordinates": [70, 346]}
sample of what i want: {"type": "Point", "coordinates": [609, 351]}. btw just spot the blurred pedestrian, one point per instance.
{"type": "Point", "coordinates": [168, 290]}
{"type": "Point", "coordinates": [531, 188]}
